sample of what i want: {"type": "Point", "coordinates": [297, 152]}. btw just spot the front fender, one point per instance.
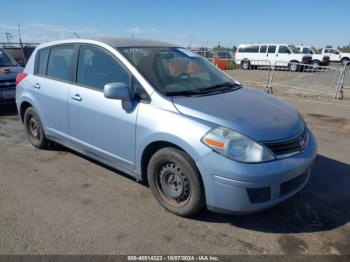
{"type": "Point", "coordinates": [159, 125]}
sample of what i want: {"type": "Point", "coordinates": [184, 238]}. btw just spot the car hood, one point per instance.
{"type": "Point", "coordinates": [248, 111]}
{"type": "Point", "coordinates": [10, 73]}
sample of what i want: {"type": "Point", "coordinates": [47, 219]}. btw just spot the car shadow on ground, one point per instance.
{"type": "Point", "coordinates": [324, 204]}
{"type": "Point", "coordinates": [8, 110]}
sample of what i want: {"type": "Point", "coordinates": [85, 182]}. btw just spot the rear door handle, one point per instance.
{"type": "Point", "coordinates": [76, 97]}
{"type": "Point", "coordinates": [37, 86]}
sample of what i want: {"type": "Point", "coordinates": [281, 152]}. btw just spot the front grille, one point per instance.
{"type": "Point", "coordinates": [287, 147]}
{"type": "Point", "coordinates": [7, 86]}
{"type": "Point", "coordinates": [293, 184]}
{"type": "Point", "coordinates": [7, 80]}
{"type": "Point", "coordinates": [258, 195]}
{"type": "Point", "coordinates": [7, 83]}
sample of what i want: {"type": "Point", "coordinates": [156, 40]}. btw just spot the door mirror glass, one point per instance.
{"type": "Point", "coordinates": [117, 90]}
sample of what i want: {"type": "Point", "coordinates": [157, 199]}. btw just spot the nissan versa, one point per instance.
{"type": "Point", "coordinates": [169, 117]}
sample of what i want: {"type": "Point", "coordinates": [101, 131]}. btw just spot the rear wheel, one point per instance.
{"type": "Point", "coordinates": [175, 182]}
{"type": "Point", "coordinates": [245, 64]}
{"type": "Point", "coordinates": [34, 129]}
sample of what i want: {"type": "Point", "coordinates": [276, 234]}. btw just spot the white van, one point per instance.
{"type": "Point", "coordinates": [248, 55]}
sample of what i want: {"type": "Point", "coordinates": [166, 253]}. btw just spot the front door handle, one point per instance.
{"type": "Point", "coordinates": [76, 97]}
{"type": "Point", "coordinates": [37, 86]}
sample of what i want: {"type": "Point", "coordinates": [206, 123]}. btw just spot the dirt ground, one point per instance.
{"type": "Point", "coordinates": [59, 202]}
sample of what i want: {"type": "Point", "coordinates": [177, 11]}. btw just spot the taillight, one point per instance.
{"type": "Point", "coordinates": [20, 77]}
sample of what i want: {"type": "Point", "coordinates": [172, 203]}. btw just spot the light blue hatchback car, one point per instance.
{"type": "Point", "coordinates": [167, 116]}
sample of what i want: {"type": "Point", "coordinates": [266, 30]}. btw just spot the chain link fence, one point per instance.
{"type": "Point", "coordinates": [306, 78]}
{"type": "Point", "coordinates": [347, 76]}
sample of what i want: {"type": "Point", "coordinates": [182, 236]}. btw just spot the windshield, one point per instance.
{"type": "Point", "coordinates": [5, 60]}
{"type": "Point", "coordinates": [315, 50]}
{"type": "Point", "coordinates": [177, 71]}
{"type": "Point", "coordinates": [222, 54]}
{"type": "Point", "coordinates": [294, 49]}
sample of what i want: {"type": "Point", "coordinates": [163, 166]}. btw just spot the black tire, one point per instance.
{"type": "Point", "coordinates": [245, 65]}
{"type": "Point", "coordinates": [293, 67]}
{"type": "Point", "coordinates": [316, 64]}
{"type": "Point", "coordinates": [175, 182]}
{"type": "Point", "coordinates": [34, 129]}
{"type": "Point", "coordinates": [344, 61]}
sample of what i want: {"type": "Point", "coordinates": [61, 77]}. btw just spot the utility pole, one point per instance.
{"type": "Point", "coordinates": [8, 37]}
{"type": "Point", "coordinates": [21, 44]}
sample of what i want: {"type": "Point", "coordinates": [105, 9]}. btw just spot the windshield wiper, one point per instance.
{"type": "Point", "coordinates": [226, 86]}
{"type": "Point", "coordinates": [182, 93]}
{"type": "Point", "coordinates": [220, 87]}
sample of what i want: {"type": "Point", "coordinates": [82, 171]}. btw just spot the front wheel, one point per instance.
{"type": "Point", "coordinates": [316, 64]}
{"type": "Point", "coordinates": [344, 61]}
{"type": "Point", "coordinates": [34, 129]}
{"type": "Point", "coordinates": [175, 182]}
{"type": "Point", "coordinates": [245, 64]}
{"type": "Point", "coordinates": [293, 67]}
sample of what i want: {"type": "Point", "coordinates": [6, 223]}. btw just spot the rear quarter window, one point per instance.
{"type": "Point", "coordinates": [249, 49]}
{"type": "Point", "coordinates": [41, 62]}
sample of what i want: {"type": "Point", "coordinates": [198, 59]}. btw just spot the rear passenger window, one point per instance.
{"type": "Point", "coordinates": [283, 50]}
{"type": "Point", "coordinates": [263, 49]}
{"type": "Point", "coordinates": [60, 62]}
{"type": "Point", "coordinates": [271, 49]}
{"type": "Point", "coordinates": [41, 63]}
{"type": "Point", "coordinates": [97, 67]}
{"type": "Point", "coordinates": [249, 49]}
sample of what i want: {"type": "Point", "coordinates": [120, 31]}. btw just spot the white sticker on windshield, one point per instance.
{"type": "Point", "coordinates": [187, 52]}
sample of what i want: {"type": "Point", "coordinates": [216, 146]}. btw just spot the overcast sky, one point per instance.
{"type": "Point", "coordinates": [185, 22]}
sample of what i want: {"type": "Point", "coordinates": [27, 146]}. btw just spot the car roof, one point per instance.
{"type": "Point", "coordinates": [264, 44]}
{"type": "Point", "coordinates": [112, 41]}
{"type": "Point", "coordinates": [132, 42]}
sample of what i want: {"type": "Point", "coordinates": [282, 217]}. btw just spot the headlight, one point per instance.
{"type": "Point", "coordinates": [236, 146]}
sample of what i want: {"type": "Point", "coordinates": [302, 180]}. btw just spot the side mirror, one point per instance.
{"type": "Point", "coordinates": [117, 90]}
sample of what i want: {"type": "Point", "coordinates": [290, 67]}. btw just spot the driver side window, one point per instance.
{"type": "Point", "coordinates": [334, 52]}
{"type": "Point", "coordinates": [283, 50]}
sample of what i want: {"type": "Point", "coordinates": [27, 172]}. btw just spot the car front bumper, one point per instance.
{"type": "Point", "coordinates": [229, 184]}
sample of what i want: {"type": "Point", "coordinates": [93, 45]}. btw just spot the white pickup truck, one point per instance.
{"type": "Point", "coordinates": [336, 56]}
{"type": "Point", "coordinates": [317, 57]}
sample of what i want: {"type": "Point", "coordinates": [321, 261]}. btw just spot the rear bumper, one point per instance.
{"type": "Point", "coordinates": [233, 187]}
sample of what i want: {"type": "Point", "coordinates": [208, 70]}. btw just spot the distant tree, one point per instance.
{"type": "Point", "coordinates": [345, 48]}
